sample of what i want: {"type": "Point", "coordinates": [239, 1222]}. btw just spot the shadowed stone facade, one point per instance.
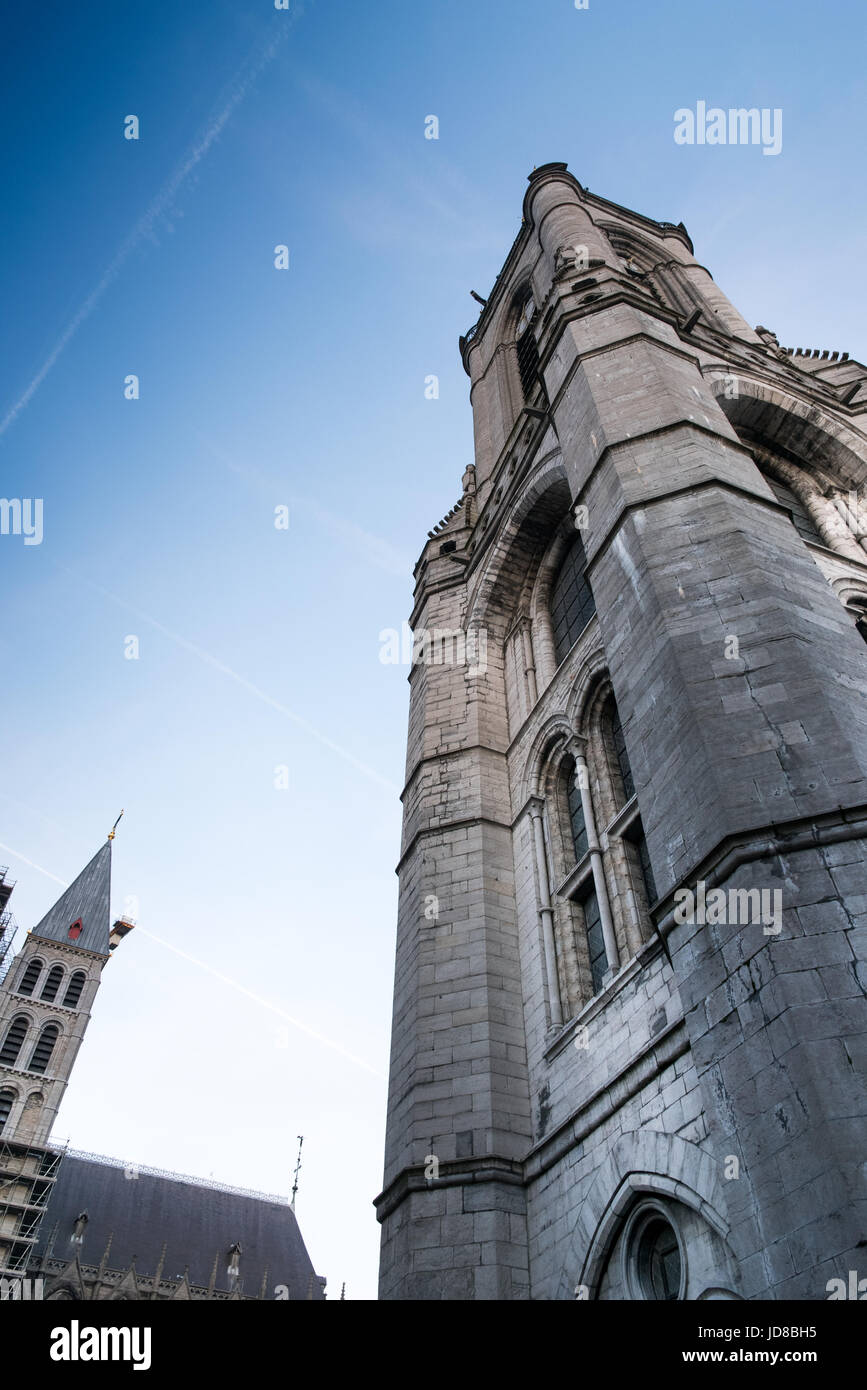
{"type": "Point", "coordinates": [596, 1092]}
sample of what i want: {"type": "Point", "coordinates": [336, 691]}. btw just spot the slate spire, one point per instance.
{"type": "Point", "coordinates": [82, 914]}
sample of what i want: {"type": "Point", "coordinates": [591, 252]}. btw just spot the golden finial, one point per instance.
{"type": "Point", "coordinates": [114, 827]}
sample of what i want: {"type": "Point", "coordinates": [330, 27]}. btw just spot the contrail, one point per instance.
{"type": "Point", "coordinates": [242, 681]}
{"type": "Point", "coordinates": [377, 551]}
{"type": "Point", "coordinates": [236, 90]}
{"type": "Point", "coordinates": [224, 979]}
{"type": "Point", "coordinates": [7, 849]}
{"type": "Point", "coordinates": [265, 1003]}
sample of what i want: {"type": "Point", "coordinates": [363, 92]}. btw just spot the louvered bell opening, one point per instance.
{"type": "Point", "coordinates": [31, 975]}
{"type": "Point", "coordinates": [52, 984]}
{"type": "Point", "coordinates": [528, 362]}
{"type": "Point", "coordinates": [73, 991]}
{"type": "Point", "coordinates": [13, 1042]}
{"type": "Point", "coordinates": [43, 1049]}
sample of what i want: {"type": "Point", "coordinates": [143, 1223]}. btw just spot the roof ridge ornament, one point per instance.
{"type": "Point", "coordinates": [111, 833]}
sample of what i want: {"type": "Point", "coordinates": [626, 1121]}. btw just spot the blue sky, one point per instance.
{"type": "Point", "coordinates": [262, 909]}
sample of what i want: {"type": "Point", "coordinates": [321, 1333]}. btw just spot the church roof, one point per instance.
{"type": "Point", "coordinates": [85, 904]}
{"type": "Point", "coordinates": [143, 1211]}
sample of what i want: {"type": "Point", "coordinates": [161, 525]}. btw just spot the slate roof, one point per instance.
{"type": "Point", "coordinates": [195, 1221]}
{"type": "Point", "coordinates": [88, 898]}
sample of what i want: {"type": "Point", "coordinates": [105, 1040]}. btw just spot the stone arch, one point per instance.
{"type": "Point", "coordinates": [593, 671]}
{"type": "Point", "coordinates": [27, 1041]}
{"type": "Point", "coordinates": [540, 598]}
{"type": "Point", "coordinates": [507, 314]}
{"type": "Point", "coordinates": [816, 456]}
{"type": "Point", "coordinates": [849, 587]}
{"type": "Point", "coordinates": [502, 333]}
{"type": "Point", "coordinates": [642, 1161]}
{"type": "Point", "coordinates": [537, 512]}
{"type": "Point", "coordinates": [37, 958]}
{"type": "Point", "coordinates": [30, 1117]}
{"type": "Point", "coordinates": [801, 429]}
{"type": "Point", "coordinates": [661, 271]}
{"type": "Point", "coordinates": [537, 768]}
{"type": "Point", "coordinates": [9, 1090]}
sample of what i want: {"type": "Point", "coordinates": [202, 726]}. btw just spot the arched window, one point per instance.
{"type": "Point", "coordinates": [14, 1040]}
{"type": "Point", "coordinates": [619, 745]}
{"type": "Point", "coordinates": [528, 350]}
{"type": "Point", "coordinates": [589, 905]}
{"type": "Point", "coordinates": [577, 823]}
{"type": "Point", "coordinates": [801, 518]}
{"type": "Point", "coordinates": [73, 989]}
{"type": "Point", "coordinates": [44, 1048]}
{"type": "Point", "coordinates": [635, 836]}
{"type": "Point", "coordinates": [655, 1266]}
{"type": "Point", "coordinates": [7, 1100]}
{"type": "Point", "coordinates": [52, 984]}
{"type": "Point", "coordinates": [624, 790]}
{"type": "Point", "coordinates": [32, 971]}
{"type": "Point", "coordinates": [572, 602]}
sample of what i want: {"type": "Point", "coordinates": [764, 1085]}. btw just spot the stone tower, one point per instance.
{"type": "Point", "coordinates": [629, 1024]}
{"type": "Point", "coordinates": [45, 1001]}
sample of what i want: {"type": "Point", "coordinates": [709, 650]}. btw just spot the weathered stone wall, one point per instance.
{"type": "Point", "coordinates": [717, 1071]}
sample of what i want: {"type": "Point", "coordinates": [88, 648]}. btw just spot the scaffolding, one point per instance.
{"type": "Point", "coordinates": [8, 925]}
{"type": "Point", "coordinates": [27, 1176]}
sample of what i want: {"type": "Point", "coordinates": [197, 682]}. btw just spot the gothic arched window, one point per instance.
{"type": "Point", "coordinates": [14, 1040]}
{"type": "Point", "coordinates": [589, 905]}
{"type": "Point", "coordinates": [572, 602]}
{"type": "Point", "coordinates": [32, 971]}
{"type": "Point", "coordinates": [44, 1048]}
{"type": "Point", "coordinates": [52, 984]}
{"type": "Point", "coordinates": [7, 1100]}
{"type": "Point", "coordinates": [577, 823]}
{"type": "Point", "coordinates": [527, 348]}
{"type": "Point", "coordinates": [73, 989]}
{"type": "Point", "coordinates": [619, 746]}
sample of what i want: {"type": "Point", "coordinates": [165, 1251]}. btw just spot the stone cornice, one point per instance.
{"type": "Point", "coordinates": [458, 1172]}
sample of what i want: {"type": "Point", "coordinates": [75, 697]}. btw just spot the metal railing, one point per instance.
{"type": "Point", "coordinates": [56, 1146]}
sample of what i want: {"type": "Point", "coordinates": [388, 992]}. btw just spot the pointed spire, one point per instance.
{"type": "Point", "coordinates": [104, 1261]}
{"type": "Point", "coordinates": [159, 1274]}
{"type": "Point", "coordinates": [81, 916]}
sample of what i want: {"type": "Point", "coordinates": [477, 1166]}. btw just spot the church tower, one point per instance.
{"type": "Point", "coordinates": [629, 1029]}
{"type": "Point", "coordinates": [46, 997]}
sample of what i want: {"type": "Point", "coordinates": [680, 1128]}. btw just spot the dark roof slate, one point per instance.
{"type": "Point", "coordinates": [194, 1221]}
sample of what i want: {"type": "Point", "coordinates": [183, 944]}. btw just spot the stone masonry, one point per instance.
{"type": "Point", "coordinates": [595, 1091]}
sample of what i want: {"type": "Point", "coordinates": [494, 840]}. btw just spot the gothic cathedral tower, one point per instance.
{"type": "Point", "coordinates": [45, 1001]}
{"type": "Point", "coordinates": [629, 1025]}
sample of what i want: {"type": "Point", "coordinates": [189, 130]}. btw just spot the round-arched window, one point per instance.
{"type": "Point", "coordinates": [655, 1263]}
{"type": "Point", "coordinates": [658, 1257]}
